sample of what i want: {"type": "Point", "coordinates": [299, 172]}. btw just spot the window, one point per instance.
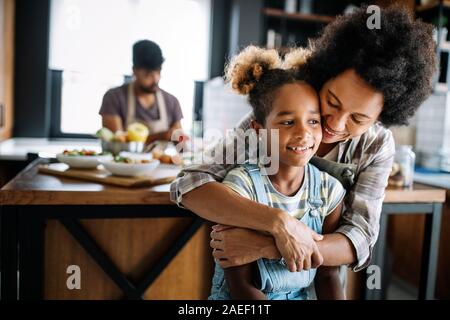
{"type": "Point", "coordinates": [91, 43]}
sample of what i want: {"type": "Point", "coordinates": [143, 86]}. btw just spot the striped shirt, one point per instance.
{"type": "Point", "coordinates": [331, 192]}
{"type": "Point", "coordinates": [373, 155]}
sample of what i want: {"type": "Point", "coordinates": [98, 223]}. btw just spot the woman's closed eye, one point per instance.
{"type": "Point", "coordinates": [331, 104]}
{"type": "Point", "coordinates": [357, 121]}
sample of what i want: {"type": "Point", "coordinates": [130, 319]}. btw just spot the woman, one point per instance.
{"type": "Point", "coordinates": [368, 79]}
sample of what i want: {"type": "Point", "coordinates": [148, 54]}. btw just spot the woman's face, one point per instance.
{"type": "Point", "coordinates": [296, 114]}
{"type": "Point", "coordinates": [349, 106]}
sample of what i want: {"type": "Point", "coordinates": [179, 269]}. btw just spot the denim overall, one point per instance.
{"type": "Point", "coordinates": [273, 278]}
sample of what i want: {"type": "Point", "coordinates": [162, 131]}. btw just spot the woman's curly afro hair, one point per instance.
{"type": "Point", "coordinates": [399, 59]}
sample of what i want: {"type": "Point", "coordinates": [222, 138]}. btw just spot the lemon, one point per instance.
{"type": "Point", "coordinates": [137, 132]}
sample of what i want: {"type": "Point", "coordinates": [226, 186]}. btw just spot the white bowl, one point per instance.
{"type": "Point", "coordinates": [82, 162]}
{"type": "Point", "coordinates": [136, 156]}
{"type": "Point", "coordinates": [130, 169]}
{"type": "Point", "coordinates": [116, 147]}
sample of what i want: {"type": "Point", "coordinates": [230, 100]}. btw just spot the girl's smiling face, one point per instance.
{"type": "Point", "coordinates": [296, 114]}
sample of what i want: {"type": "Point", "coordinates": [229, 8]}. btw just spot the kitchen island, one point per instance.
{"type": "Point", "coordinates": [122, 243]}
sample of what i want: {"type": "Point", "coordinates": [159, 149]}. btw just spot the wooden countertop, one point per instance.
{"type": "Point", "coordinates": [419, 193]}
{"type": "Point", "coordinates": [33, 188]}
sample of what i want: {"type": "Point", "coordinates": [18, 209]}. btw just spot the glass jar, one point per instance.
{"type": "Point", "coordinates": [402, 174]}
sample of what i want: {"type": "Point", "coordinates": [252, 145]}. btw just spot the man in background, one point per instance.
{"type": "Point", "coordinates": [142, 100]}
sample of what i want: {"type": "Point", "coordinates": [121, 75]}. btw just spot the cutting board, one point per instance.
{"type": "Point", "coordinates": [161, 175]}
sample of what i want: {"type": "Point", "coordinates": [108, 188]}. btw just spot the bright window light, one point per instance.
{"type": "Point", "coordinates": [91, 42]}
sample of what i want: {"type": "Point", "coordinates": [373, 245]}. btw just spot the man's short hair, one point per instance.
{"type": "Point", "coordinates": [147, 55]}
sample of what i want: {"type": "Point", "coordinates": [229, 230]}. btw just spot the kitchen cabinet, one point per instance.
{"type": "Point", "coordinates": [6, 67]}
{"type": "Point", "coordinates": [126, 243]}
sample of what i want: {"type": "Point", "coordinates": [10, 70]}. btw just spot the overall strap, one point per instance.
{"type": "Point", "coordinates": [255, 175]}
{"type": "Point", "coordinates": [314, 187]}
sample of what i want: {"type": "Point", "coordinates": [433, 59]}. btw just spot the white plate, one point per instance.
{"type": "Point", "coordinates": [82, 162]}
{"type": "Point", "coordinates": [130, 169]}
{"type": "Point", "coordinates": [137, 156]}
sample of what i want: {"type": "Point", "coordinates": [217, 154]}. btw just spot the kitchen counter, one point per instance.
{"type": "Point", "coordinates": [18, 148]}
{"type": "Point", "coordinates": [33, 188]}
{"type": "Point", "coordinates": [127, 243]}
{"type": "Point", "coordinates": [436, 179]}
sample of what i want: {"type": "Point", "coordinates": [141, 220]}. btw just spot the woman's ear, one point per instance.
{"type": "Point", "coordinates": [256, 126]}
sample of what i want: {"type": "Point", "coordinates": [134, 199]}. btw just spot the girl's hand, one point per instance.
{"type": "Point", "coordinates": [237, 246]}
{"type": "Point", "coordinates": [297, 244]}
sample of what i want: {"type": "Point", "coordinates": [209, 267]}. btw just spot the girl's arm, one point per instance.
{"type": "Point", "coordinates": [240, 283]}
{"type": "Point", "coordinates": [327, 282]}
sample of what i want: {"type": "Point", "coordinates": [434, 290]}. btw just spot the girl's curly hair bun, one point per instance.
{"type": "Point", "coordinates": [247, 68]}
{"type": "Point", "coordinates": [296, 58]}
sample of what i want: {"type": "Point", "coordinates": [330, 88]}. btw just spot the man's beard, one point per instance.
{"type": "Point", "coordinates": [151, 89]}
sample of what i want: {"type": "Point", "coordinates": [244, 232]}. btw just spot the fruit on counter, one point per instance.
{"type": "Point", "coordinates": [105, 134]}
{"type": "Point", "coordinates": [120, 136]}
{"type": "Point", "coordinates": [83, 152]}
{"type": "Point", "coordinates": [157, 153]}
{"type": "Point", "coordinates": [119, 159]}
{"type": "Point", "coordinates": [165, 158]}
{"type": "Point", "coordinates": [176, 159]}
{"type": "Point", "coordinates": [137, 132]}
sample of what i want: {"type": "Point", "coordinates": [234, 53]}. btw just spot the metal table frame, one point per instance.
{"type": "Point", "coordinates": [430, 249]}
{"type": "Point", "coordinates": [22, 244]}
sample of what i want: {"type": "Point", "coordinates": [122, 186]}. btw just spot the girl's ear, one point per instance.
{"type": "Point", "coordinates": [256, 126]}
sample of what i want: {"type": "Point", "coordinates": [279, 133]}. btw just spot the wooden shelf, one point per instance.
{"type": "Point", "coordinates": [270, 12]}
{"type": "Point", "coordinates": [431, 6]}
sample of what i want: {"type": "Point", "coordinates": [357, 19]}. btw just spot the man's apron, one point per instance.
{"type": "Point", "coordinates": [155, 126]}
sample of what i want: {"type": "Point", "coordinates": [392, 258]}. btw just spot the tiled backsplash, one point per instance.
{"type": "Point", "coordinates": [433, 129]}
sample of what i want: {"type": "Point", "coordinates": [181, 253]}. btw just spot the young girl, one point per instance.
{"type": "Point", "coordinates": [282, 102]}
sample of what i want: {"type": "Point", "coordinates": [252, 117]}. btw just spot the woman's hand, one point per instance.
{"type": "Point", "coordinates": [297, 244]}
{"type": "Point", "coordinates": [237, 246]}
